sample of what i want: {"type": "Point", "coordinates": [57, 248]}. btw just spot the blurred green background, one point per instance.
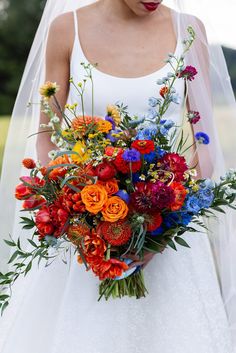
{"type": "Point", "coordinates": [15, 41]}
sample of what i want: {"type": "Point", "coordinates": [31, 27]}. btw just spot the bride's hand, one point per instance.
{"type": "Point", "coordinates": [147, 257]}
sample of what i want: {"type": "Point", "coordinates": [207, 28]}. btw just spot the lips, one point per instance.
{"type": "Point", "coordinates": [151, 6]}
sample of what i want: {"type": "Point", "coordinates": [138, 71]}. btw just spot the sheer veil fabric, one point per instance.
{"type": "Point", "coordinates": [211, 88]}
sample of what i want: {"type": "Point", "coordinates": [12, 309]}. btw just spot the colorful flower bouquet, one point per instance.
{"type": "Point", "coordinates": [117, 187]}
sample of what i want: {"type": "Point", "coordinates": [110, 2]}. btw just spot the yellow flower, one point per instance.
{"type": "Point", "coordinates": [49, 89]}
{"type": "Point", "coordinates": [83, 153]}
{"type": "Point", "coordinates": [114, 113]}
{"type": "Point", "coordinates": [104, 126]}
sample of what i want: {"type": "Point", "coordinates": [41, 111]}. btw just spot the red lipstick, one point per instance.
{"type": "Point", "coordinates": [151, 6]}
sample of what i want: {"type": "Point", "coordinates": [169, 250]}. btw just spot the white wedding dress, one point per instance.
{"type": "Point", "coordinates": [55, 309]}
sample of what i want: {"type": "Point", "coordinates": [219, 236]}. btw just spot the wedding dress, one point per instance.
{"type": "Point", "coordinates": [55, 309]}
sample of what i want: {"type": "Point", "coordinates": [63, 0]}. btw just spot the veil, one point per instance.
{"type": "Point", "coordinates": [211, 89]}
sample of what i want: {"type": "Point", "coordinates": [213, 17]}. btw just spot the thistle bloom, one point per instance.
{"type": "Point", "coordinates": [188, 73]}
{"type": "Point", "coordinates": [202, 138]}
{"type": "Point", "coordinates": [193, 117]}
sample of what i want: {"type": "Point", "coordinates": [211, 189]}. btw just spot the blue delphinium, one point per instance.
{"type": "Point", "coordinates": [165, 126]}
{"type": "Point", "coordinates": [152, 113]}
{"type": "Point", "coordinates": [147, 133]}
{"type": "Point", "coordinates": [177, 218]}
{"type": "Point", "coordinates": [153, 156]}
{"type": "Point", "coordinates": [192, 204]}
{"type": "Point", "coordinates": [202, 138]}
{"type": "Point", "coordinates": [131, 155]}
{"type": "Point", "coordinates": [157, 231]}
{"type": "Point", "coordinates": [153, 102]}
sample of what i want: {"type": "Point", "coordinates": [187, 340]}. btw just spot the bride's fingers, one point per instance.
{"type": "Point", "coordinates": [136, 263]}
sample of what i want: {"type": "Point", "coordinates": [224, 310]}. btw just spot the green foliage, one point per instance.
{"type": "Point", "coordinates": [18, 24]}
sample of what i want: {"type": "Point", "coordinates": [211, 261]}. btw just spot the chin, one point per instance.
{"type": "Point", "coordinates": [144, 8]}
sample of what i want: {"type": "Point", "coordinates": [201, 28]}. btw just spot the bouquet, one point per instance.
{"type": "Point", "coordinates": [116, 187]}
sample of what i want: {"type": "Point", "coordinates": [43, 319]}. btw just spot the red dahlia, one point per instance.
{"type": "Point", "coordinates": [174, 163]}
{"type": "Point", "coordinates": [116, 233]}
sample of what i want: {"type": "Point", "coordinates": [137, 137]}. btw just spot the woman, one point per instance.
{"type": "Point", "coordinates": [57, 306]}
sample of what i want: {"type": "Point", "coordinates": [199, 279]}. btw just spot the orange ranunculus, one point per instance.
{"type": "Point", "coordinates": [78, 231]}
{"type": "Point", "coordinates": [60, 171]}
{"type": "Point", "coordinates": [104, 126]}
{"type": "Point", "coordinates": [115, 208]}
{"type": "Point", "coordinates": [94, 197]}
{"type": "Point", "coordinates": [180, 194]}
{"type": "Point", "coordinates": [111, 186]}
{"type": "Point", "coordinates": [81, 122]}
{"type": "Point", "coordinates": [111, 269]}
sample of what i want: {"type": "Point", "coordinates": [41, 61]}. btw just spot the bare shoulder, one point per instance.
{"type": "Point", "coordinates": [61, 33]}
{"type": "Point", "coordinates": [193, 21]}
{"type": "Point", "coordinates": [62, 25]}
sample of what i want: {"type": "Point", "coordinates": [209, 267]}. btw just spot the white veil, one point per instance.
{"type": "Point", "coordinates": [210, 87]}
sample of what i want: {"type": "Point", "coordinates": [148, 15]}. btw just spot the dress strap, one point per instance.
{"type": "Point", "coordinates": [76, 24]}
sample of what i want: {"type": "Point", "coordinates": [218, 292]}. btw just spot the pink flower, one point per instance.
{"type": "Point", "coordinates": [188, 73]}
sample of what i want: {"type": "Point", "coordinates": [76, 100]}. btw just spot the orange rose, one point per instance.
{"type": "Point", "coordinates": [111, 186]}
{"type": "Point", "coordinates": [94, 197]}
{"type": "Point", "coordinates": [115, 208]}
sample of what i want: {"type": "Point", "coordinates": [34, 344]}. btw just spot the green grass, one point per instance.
{"type": "Point", "coordinates": [4, 122]}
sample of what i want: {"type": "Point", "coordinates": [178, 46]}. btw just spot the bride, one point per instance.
{"type": "Point", "coordinates": [191, 305]}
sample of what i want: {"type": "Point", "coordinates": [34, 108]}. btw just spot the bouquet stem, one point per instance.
{"type": "Point", "coordinates": [132, 286]}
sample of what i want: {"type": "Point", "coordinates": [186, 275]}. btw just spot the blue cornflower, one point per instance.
{"type": "Point", "coordinates": [203, 138]}
{"type": "Point", "coordinates": [131, 155]}
{"type": "Point", "coordinates": [123, 195]}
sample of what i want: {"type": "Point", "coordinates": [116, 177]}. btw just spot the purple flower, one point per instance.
{"type": "Point", "coordinates": [110, 119]}
{"type": "Point", "coordinates": [131, 155]}
{"type": "Point", "coordinates": [202, 138]}
{"type": "Point", "coordinates": [123, 195]}
{"type": "Point", "coordinates": [193, 117]}
{"type": "Point", "coordinates": [188, 73]}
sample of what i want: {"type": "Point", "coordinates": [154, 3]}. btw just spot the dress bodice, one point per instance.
{"type": "Point", "coordinates": [132, 92]}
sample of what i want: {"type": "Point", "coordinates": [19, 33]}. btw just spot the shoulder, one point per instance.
{"type": "Point", "coordinates": [62, 24]}
{"type": "Point", "coordinates": [194, 21]}
{"type": "Point", "coordinates": [61, 33]}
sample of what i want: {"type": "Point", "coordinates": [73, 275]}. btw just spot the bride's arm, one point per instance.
{"type": "Point", "coordinates": [59, 45]}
